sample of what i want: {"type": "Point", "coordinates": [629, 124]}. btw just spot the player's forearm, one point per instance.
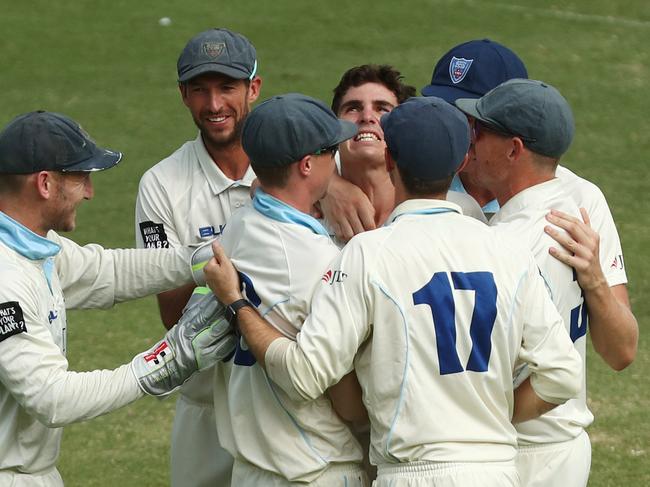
{"type": "Point", "coordinates": [171, 304]}
{"type": "Point", "coordinates": [257, 332]}
{"type": "Point", "coordinates": [346, 398]}
{"type": "Point", "coordinates": [612, 325]}
{"type": "Point", "coordinates": [528, 405]}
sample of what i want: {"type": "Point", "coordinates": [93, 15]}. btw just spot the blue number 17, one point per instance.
{"type": "Point", "coordinates": [437, 294]}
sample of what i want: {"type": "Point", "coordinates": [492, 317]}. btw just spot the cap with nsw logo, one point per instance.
{"type": "Point", "coordinates": [473, 68]}
{"type": "Point", "coordinates": [217, 51]}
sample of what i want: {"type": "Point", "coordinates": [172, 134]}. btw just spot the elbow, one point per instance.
{"type": "Point", "coordinates": [618, 359]}
{"type": "Point", "coordinates": [622, 360]}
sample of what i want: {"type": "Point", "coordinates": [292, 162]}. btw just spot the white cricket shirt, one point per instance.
{"type": "Point", "coordinates": [40, 279]}
{"type": "Point", "coordinates": [281, 255]}
{"type": "Point", "coordinates": [524, 217]}
{"type": "Point", "coordinates": [433, 323]}
{"type": "Point", "coordinates": [183, 200]}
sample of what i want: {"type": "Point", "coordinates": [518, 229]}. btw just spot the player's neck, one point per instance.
{"type": "Point", "coordinates": [482, 195]}
{"type": "Point", "coordinates": [375, 182]}
{"type": "Point", "coordinates": [231, 159]}
{"type": "Point", "coordinates": [28, 215]}
{"type": "Point", "coordinates": [519, 182]}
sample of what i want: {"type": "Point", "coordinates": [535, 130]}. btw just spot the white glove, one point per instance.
{"type": "Point", "coordinates": [201, 338]}
{"type": "Point", "coordinates": [200, 257]}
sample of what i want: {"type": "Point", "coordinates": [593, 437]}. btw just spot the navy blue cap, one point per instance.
{"type": "Point", "coordinates": [532, 110]}
{"type": "Point", "coordinates": [217, 51]}
{"type": "Point", "coordinates": [473, 68]}
{"type": "Point", "coordinates": [47, 141]}
{"type": "Point", "coordinates": [286, 128]}
{"type": "Point", "coordinates": [427, 137]}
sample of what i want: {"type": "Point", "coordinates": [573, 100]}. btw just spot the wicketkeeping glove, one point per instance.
{"type": "Point", "coordinates": [200, 257]}
{"type": "Point", "coordinates": [201, 338]}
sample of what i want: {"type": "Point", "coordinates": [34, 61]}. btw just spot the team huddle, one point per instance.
{"type": "Point", "coordinates": [394, 290]}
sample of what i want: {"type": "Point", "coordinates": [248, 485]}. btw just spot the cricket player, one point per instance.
{"type": "Point", "coordinates": [433, 324]}
{"type": "Point", "coordinates": [362, 197]}
{"type": "Point", "coordinates": [277, 440]}
{"type": "Point", "coordinates": [522, 128]}
{"type": "Point", "coordinates": [589, 243]}
{"type": "Point", "coordinates": [363, 94]}
{"type": "Point", "coordinates": [188, 198]}
{"type": "Point", "coordinates": [45, 165]}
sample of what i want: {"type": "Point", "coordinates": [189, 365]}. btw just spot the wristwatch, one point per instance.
{"type": "Point", "coordinates": [232, 308]}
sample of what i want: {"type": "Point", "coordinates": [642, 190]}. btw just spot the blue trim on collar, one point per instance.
{"type": "Point", "coordinates": [275, 209]}
{"type": "Point", "coordinates": [22, 240]}
{"type": "Point", "coordinates": [457, 185]}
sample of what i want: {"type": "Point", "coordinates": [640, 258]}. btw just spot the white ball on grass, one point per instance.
{"type": "Point", "coordinates": [165, 21]}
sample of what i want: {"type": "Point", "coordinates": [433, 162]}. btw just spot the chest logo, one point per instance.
{"type": "Point", "coordinates": [331, 277]}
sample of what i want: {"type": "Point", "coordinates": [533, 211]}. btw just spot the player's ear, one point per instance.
{"type": "Point", "coordinates": [44, 184]}
{"type": "Point", "coordinates": [182, 87]}
{"type": "Point", "coordinates": [515, 149]}
{"type": "Point", "coordinates": [254, 88]}
{"type": "Point", "coordinates": [305, 165]}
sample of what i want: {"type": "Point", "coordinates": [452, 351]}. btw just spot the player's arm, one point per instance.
{"type": "Point", "coordinates": [94, 277]}
{"type": "Point", "coordinates": [347, 209]}
{"type": "Point", "coordinates": [528, 405]}
{"type": "Point", "coordinates": [347, 400]}
{"type": "Point", "coordinates": [34, 371]}
{"type": "Point", "coordinates": [613, 328]}
{"type": "Point", "coordinates": [556, 366]}
{"type": "Point", "coordinates": [154, 227]}
{"type": "Point", "coordinates": [322, 353]}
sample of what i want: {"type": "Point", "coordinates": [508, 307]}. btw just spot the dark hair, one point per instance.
{"type": "Point", "coordinates": [420, 187]}
{"type": "Point", "coordinates": [372, 73]}
{"type": "Point", "coordinates": [275, 177]}
{"type": "Point", "coordinates": [12, 183]}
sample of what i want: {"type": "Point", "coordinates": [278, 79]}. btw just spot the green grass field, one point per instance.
{"type": "Point", "coordinates": [112, 67]}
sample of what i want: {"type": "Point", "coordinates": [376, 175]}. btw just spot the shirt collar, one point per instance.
{"type": "Point", "coordinates": [215, 177]}
{"type": "Point", "coordinates": [457, 185]}
{"type": "Point", "coordinates": [278, 210]}
{"type": "Point", "coordinates": [533, 197]}
{"type": "Point", "coordinates": [422, 207]}
{"type": "Point", "coordinates": [22, 240]}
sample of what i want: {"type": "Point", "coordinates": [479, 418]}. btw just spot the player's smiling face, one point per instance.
{"type": "Point", "coordinates": [364, 105]}
{"type": "Point", "coordinates": [219, 105]}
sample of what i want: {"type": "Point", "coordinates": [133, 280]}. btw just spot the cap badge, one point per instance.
{"type": "Point", "coordinates": [213, 49]}
{"type": "Point", "coordinates": [458, 68]}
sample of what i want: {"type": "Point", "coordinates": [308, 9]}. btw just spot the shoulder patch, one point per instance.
{"type": "Point", "coordinates": [153, 235]}
{"type": "Point", "coordinates": [12, 321]}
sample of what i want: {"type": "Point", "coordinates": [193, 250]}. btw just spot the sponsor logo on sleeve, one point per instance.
{"type": "Point", "coordinates": [153, 235]}
{"type": "Point", "coordinates": [12, 320]}
{"type": "Point", "coordinates": [617, 263]}
{"type": "Point", "coordinates": [331, 277]}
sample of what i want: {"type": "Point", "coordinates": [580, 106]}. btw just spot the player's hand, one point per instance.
{"type": "Point", "coordinates": [580, 247]}
{"type": "Point", "coordinates": [202, 337]}
{"type": "Point", "coordinates": [347, 209]}
{"type": "Point", "coordinates": [221, 276]}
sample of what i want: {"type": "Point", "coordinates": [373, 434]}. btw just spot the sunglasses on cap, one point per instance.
{"type": "Point", "coordinates": [333, 149]}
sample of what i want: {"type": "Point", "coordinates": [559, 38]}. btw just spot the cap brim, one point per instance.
{"type": "Point", "coordinates": [448, 93]}
{"type": "Point", "coordinates": [468, 106]}
{"type": "Point", "coordinates": [102, 160]}
{"type": "Point", "coordinates": [213, 68]}
{"type": "Point", "coordinates": [348, 130]}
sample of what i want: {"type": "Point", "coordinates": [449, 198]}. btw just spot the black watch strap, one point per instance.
{"type": "Point", "coordinates": [232, 308]}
